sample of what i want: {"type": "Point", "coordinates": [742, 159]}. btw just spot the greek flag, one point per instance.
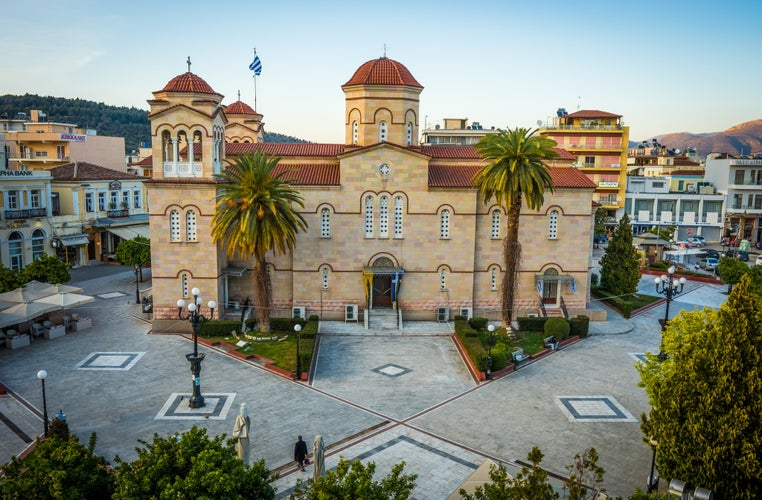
{"type": "Point", "coordinates": [539, 286]}
{"type": "Point", "coordinates": [574, 286]}
{"type": "Point", "coordinates": [256, 65]}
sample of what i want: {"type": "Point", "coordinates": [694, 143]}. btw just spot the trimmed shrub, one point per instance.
{"type": "Point", "coordinates": [285, 324]}
{"type": "Point", "coordinates": [478, 323]}
{"type": "Point", "coordinates": [463, 328]}
{"type": "Point", "coordinates": [579, 326]}
{"type": "Point", "coordinates": [499, 356]}
{"type": "Point", "coordinates": [593, 279]}
{"type": "Point", "coordinates": [532, 324]}
{"type": "Point", "coordinates": [314, 317]}
{"type": "Point", "coordinates": [557, 327]}
{"type": "Point", "coordinates": [218, 327]}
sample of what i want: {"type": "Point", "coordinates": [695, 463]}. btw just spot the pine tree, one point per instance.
{"type": "Point", "coordinates": [620, 264]}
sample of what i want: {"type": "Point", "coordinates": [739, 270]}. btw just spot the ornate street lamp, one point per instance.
{"type": "Point", "coordinates": [136, 270]}
{"type": "Point", "coordinates": [42, 375]}
{"type": "Point", "coordinates": [297, 329]}
{"type": "Point", "coordinates": [653, 481]}
{"type": "Point", "coordinates": [490, 341]}
{"type": "Point", "coordinates": [194, 316]}
{"type": "Point", "coordinates": [669, 287]}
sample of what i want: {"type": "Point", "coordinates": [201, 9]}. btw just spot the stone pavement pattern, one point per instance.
{"type": "Point", "coordinates": [381, 398]}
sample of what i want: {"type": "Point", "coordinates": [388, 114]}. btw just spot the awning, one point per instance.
{"type": "Point", "coordinates": [235, 272]}
{"type": "Point", "coordinates": [560, 278]}
{"type": "Point", "coordinates": [74, 240]}
{"type": "Point", "coordinates": [130, 232]}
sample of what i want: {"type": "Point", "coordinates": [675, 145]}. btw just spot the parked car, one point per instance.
{"type": "Point", "coordinates": [758, 262]}
{"type": "Point", "coordinates": [727, 242]}
{"type": "Point", "coordinates": [697, 241]}
{"type": "Point", "coordinates": [600, 238]}
{"type": "Point", "coordinates": [708, 263]}
{"type": "Point", "coordinates": [738, 254]}
{"type": "Point", "coordinates": [711, 252]}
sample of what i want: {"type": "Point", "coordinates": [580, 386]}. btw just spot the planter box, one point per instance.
{"type": "Point", "coordinates": [17, 341]}
{"type": "Point", "coordinates": [81, 324]}
{"type": "Point", "coordinates": [55, 332]}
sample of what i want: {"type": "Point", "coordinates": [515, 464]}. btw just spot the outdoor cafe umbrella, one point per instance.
{"type": "Point", "coordinates": [64, 300]}
{"type": "Point", "coordinates": [35, 290]}
{"type": "Point", "coordinates": [318, 450]}
{"type": "Point", "coordinates": [241, 431]}
{"type": "Point", "coordinates": [24, 311]}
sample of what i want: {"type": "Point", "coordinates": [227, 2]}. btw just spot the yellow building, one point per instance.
{"type": "Point", "coordinates": [392, 224]}
{"type": "Point", "coordinates": [600, 142]}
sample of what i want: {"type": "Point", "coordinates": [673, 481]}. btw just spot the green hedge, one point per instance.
{"type": "Point", "coordinates": [478, 323]}
{"type": "Point", "coordinates": [532, 324]}
{"type": "Point", "coordinates": [557, 327]}
{"type": "Point", "coordinates": [579, 326]}
{"type": "Point", "coordinates": [463, 327]}
{"type": "Point", "coordinates": [218, 328]}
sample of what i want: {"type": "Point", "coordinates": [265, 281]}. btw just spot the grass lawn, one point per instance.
{"type": "Point", "coordinates": [282, 352]}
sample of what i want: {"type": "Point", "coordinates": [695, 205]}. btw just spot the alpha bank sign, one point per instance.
{"type": "Point", "coordinates": [15, 174]}
{"type": "Point", "coordinates": [74, 137]}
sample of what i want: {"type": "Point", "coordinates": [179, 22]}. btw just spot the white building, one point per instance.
{"type": "Point", "coordinates": [739, 178]}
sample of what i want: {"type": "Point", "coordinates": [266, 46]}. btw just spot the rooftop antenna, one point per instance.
{"type": "Point", "coordinates": [384, 50]}
{"type": "Point", "coordinates": [189, 63]}
{"type": "Point", "coordinates": [239, 95]}
{"type": "Point", "coordinates": [579, 98]}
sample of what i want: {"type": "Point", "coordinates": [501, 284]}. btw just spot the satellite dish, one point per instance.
{"type": "Point", "coordinates": [539, 123]}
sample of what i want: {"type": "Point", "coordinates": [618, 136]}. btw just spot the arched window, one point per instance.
{"type": "Point", "coordinates": [325, 223]}
{"type": "Point", "coordinates": [381, 131]}
{"type": "Point", "coordinates": [553, 224]}
{"type": "Point", "coordinates": [444, 224]}
{"type": "Point", "coordinates": [198, 150]}
{"type": "Point", "coordinates": [355, 132]}
{"type": "Point", "coordinates": [166, 146]}
{"type": "Point", "coordinates": [16, 249]}
{"type": "Point", "coordinates": [184, 284]}
{"type": "Point", "coordinates": [495, 233]}
{"type": "Point", "coordinates": [398, 216]}
{"type": "Point", "coordinates": [368, 216]}
{"type": "Point", "coordinates": [383, 217]}
{"type": "Point", "coordinates": [324, 277]}
{"type": "Point", "coordinates": [443, 279]}
{"type": "Point", "coordinates": [182, 146]}
{"type": "Point", "coordinates": [38, 244]}
{"type": "Point", "coordinates": [174, 226]}
{"type": "Point", "coordinates": [190, 226]}
{"type": "Point", "coordinates": [493, 279]}
{"type": "Point", "coordinates": [409, 133]}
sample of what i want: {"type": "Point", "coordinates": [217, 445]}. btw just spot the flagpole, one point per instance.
{"type": "Point", "coordinates": [255, 84]}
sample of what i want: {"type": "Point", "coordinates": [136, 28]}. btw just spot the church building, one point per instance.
{"type": "Point", "coordinates": [392, 224]}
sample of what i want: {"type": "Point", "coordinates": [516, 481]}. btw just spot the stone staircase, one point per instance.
{"type": "Point", "coordinates": [554, 312]}
{"type": "Point", "coordinates": [382, 319]}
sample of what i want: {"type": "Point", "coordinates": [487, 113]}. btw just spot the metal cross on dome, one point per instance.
{"type": "Point", "coordinates": [189, 63]}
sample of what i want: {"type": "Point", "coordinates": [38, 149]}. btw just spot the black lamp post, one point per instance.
{"type": "Point", "coordinates": [42, 375]}
{"type": "Point", "coordinates": [136, 270]}
{"type": "Point", "coordinates": [194, 316]}
{"type": "Point", "coordinates": [669, 287]}
{"type": "Point", "coordinates": [653, 482]}
{"type": "Point", "coordinates": [297, 329]}
{"type": "Point", "coordinates": [490, 341]}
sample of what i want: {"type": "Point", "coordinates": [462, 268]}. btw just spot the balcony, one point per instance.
{"type": "Point", "coordinates": [611, 128]}
{"type": "Point", "coordinates": [122, 212]}
{"type": "Point", "coordinates": [16, 214]}
{"type": "Point", "coordinates": [38, 212]}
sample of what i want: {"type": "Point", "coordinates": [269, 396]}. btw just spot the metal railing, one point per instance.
{"type": "Point", "coordinates": [563, 309]}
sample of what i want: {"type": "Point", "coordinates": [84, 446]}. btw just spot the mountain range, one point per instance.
{"type": "Point", "coordinates": [743, 139]}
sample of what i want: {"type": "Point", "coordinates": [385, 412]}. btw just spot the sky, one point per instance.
{"type": "Point", "coordinates": [665, 66]}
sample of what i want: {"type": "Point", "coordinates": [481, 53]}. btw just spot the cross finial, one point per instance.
{"type": "Point", "coordinates": [189, 63]}
{"type": "Point", "coordinates": [239, 95]}
{"type": "Point", "coordinates": [384, 50]}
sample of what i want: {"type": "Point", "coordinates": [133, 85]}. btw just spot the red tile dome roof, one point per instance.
{"type": "Point", "coordinates": [240, 108]}
{"type": "Point", "coordinates": [383, 71]}
{"type": "Point", "coordinates": [188, 82]}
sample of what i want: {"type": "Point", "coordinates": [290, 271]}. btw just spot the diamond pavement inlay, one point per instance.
{"type": "Point", "coordinates": [392, 370]}
{"type": "Point", "coordinates": [216, 407]}
{"type": "Point", "coordinates": [593, 409]}
{"type": "Point", "coordinates": [639, 356]}
{"type": "Point", "coordinates": [111, 295]}
{"type": "Point", "coordinates": [109, 361]}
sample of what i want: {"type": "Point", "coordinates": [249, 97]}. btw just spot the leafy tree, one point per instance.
{"type": "Point", "coordinates": [601, 215]}
{"type": "Point", "coordinates": [135, 252]}
{"type": "Point", "coordinates": [255, 215]}
{"type": "Point", "coordinates": [706, 397]}
{"type": "Point", "coordinates": [528, 483]}
{"type": "Point", "coordinates": [191, 466]}
{"type": "Point", "coordinates": [620, 273]}
{"type": "Point", "coordinates": [57, 468]}
{"type": "Point", "coordinates": [10, 279]}
{"type": "Point", "coordinates": [585, 476]}
{"type": "Point", "coordinates": [47, 269]}
{"type": "Point", "coordinates": [352, 480]}
{"type": "Point", "coordinates": [516, 173]}
{"type": "Point", "coordinates": [731, 270]}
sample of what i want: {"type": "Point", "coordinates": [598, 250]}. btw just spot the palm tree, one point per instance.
{"type": "Point", "coordinates": [254, 215]}
{"type": "Point", "coordinates": [516, 171]}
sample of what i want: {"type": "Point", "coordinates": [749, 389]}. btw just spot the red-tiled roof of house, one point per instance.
{"type": "Point", "coordinates": [685, 162]}
{"type": "Point", "coordinates": [592, 113]}
{"type": "Point", "coordinates": [310, 174]}
{"type": "Point", "coordinates": [188, 82]}
{"type": "Point", "coordinates": [454, 152]}
{"type": "Point", "coordinates": [240, 108]}
{"type": "Point", "coordinates": [81, 171]}
{"type": "Point", "coordinates": [695, 173]}
{"type": "Point", "coordinates": [383, 71]}
{"type": "Point", "coordinates": [285, 148]}
{"type": "Point", "coordinates": [460, 176]}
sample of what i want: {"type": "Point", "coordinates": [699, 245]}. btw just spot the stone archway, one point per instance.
{"type": "Point", "coordinates": [550, 287]}
{"type": "Point", "coordinates": [382, 282]}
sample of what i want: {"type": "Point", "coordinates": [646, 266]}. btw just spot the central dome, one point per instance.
{"type": "Point", "coordinates": [188, 82]}
{"type": "Point", "coordinates": [383, 71]}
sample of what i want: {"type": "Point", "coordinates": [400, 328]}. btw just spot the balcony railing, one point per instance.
{"type": "Point", "coordinates": [38, 212]}
{"type": "Point", "coordinates": [16, 214]}
{"type": "Point", "coordinates": [584, 127]}
{"type": "Point", "coordinates": [122, 212]}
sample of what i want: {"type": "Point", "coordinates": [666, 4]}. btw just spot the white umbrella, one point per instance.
{"type": "Point", "coordinates": [25, 311]}
{"type": "Point", "coordinates": [318, 450]}
{"type": "Point", "coordinates": [241, 431]}
{"type": "Point", "coordinates": [64, 300]}
{"type": "Point", "coordinates": [35, 290]}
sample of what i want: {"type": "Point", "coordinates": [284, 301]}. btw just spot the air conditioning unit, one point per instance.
{"type": "Point", "coordinates": [466, 312]}
{"type": "Point", "coordinates": [532, 315]}
{"type": "Point", "coordinates": [298, 312]}
{"type": "Point", "coordinates": [350, 312]}
{"type": "Point", "coordinates": [443, 314]}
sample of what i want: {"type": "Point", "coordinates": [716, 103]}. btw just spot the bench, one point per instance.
{"type": "Point", "coordinates": [519, 356]}
{"type": "Point", "coordinates": [550, 342]}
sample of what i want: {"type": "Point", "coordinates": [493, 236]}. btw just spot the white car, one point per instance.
{"type": "Point", "coordinates": [697, 241]}
{"type": "Point", "coordinates": [758, 262]}
{"type": "Point", "coordinates": [708, 263]}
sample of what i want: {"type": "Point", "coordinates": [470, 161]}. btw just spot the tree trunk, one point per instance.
{"type": "Point", "coordinates": [512, 257]}
{"type": "Point", "coordinates": [262, 296]}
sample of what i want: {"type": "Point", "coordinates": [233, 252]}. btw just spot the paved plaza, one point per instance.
{"type": "Point", "coordinates": [375, 397]}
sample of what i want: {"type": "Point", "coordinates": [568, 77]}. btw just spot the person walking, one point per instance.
{"type": "Point", "coordinates": [300, 452]}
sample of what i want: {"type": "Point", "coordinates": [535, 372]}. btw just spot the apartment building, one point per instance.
{"type": "Point", "coordinates": [739, 178]}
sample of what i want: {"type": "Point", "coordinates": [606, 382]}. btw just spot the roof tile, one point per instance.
{"type": "Point", "coordinates": [383, 71]}
{"type": "Point", "coordinates": [188, 82]}
{"type": "Point", "coordinates": [81, 171]}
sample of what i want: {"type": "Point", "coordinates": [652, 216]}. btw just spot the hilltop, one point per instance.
{"type": "Point", "coordinates": [743, 139]}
